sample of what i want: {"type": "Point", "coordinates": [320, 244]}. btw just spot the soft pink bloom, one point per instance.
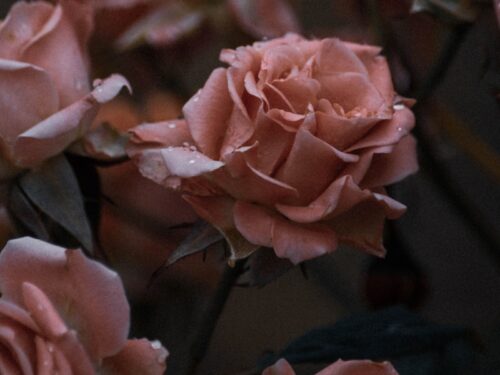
{"type": "Point", "coordinates": [290, 147]}
{"type": "Point", "coordinates": [63, 313]}
{"type": "Point", "coordinates": [355, 367]}
{"type": "Point", "coordinates": [45, 96]}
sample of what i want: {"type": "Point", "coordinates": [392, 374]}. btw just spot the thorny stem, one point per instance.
{"type": "Point", "coordinates": [200, 343]}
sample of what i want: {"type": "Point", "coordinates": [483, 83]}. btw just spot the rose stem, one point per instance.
{"type": "Point", "coordinates": [210, 317]}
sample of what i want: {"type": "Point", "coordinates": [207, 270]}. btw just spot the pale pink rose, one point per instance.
{"type": "Point", "coordinates": [62, 313]}
{"type": "Point", "coordinates": [355, 367]}
{"type": "Point", "coordinates": [45, 96]}
{"type": "Point", "coordinates": [290, 147]}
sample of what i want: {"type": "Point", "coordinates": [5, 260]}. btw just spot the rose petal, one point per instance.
{"type": "Point", "coordinates": [359, 367]}
{"type": "Point", "coordinates": [20, 343]}
{"type": "Point", "coordinates": [52, 135]}
{"type": "Point", "coordinates": [339, 131]}
{"type": "Point", "coordinates": [27, 97]}
{"type": "Point", "coordinates": [335, 57]}
{"type": "Point", "coordinates": [23, 22]}
{"type": "Point", "coordinates": [351, 91]}
{"type": "Point", "coordinates": [165, 133]}
{"type": "Point", "coordinates": [264, 18]}
{"type": "Point", "coordinates": [387, 169]}
{"type": "Point", "coordinates": [87, 295]}
{"type": "Point", "coordinates": [387, 132]}
{"type": "Point", "coordinates": [282, 367]}
{"type": "Point", "coordinates": [207, 113]}
{"type": "Point", "coordinates": [311, 166]}
{"type": "Point", "coordinates": [138, 357]}
{"type": "Point", "coordinates": [42, 311]}
{"type": "Point", "coordinates": [19, 315]}
{"type": "Point", "coordinates": [244, 182]}
{"type": "Point", "coordinates": [44, 358]}
{"type": "Point", "coordinates": [7, 365]}
{"type": "Point", "coordinates": [60, 49]}
{"type": "Point", "coordinates": [289, 240]}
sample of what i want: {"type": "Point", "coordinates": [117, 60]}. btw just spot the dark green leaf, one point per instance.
{"type": "Point", "coordinates": [25, 214]}
{"type": "Point", "coordinates": [202, 235]}
{"type": "Point", "coordinates": [53, 188]}
{"type": "Point", "coordinates": [264, 268]}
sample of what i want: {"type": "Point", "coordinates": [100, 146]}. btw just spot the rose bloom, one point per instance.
{"type": "Point", "coordinates": [355, 367]}
{"type": "Point", "coordinates": [62, 313]}
{"type": "Point", "coordinates": [290, 147]}
{"type": "Point", "coordinates": [45, 96]}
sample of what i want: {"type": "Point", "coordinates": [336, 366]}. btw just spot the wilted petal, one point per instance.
{"type": "Point", "coordinates": [138, 357]}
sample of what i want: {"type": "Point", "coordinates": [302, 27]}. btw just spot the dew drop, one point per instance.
{"type": "Point", "coordinates": [192, 161]}
{"type": "Point", "coordinates": [193, 148]}
{"type": "Point", "coordinates": [196, 98]}
{"type": "Point", "coordinates": [156, 345]}
{"type": "Point", "coordinates": [172, 125]}
{"type": "Point", "coordinates": [398, 107]}
{"type": "Point", "coordinates": [185, 144]}
{"type": "Point", "coordinates": [400, 129]}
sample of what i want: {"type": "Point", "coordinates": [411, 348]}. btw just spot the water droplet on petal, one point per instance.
{"type": "Point", "coordinates": [186, 144]}
{"type": "Point", "coordinates": [400, 129]}
{"type": "Point", "coordinates": [192, 161]}
{"type": "Point", "coordinates": [156, 345]}
{"type": "Point", "coordinates": [172, 125]}
{"type": "Point", "coordinates": [398, 107]}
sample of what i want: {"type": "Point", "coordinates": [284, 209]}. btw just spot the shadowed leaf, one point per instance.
{"type": "Point", "coordinates": [53, 188]}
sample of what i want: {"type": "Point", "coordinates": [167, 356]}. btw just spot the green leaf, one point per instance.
{"type": "Point", "coordinates": [264, 268]}
{"type": "Point", "coordinates": [53, 188]}
{"type": "Point", "coordinates": [448, 10]}
{"type": "Point", "coordinates": [201, 236]}
{"type": "Point", "coordinates": [23, 212]}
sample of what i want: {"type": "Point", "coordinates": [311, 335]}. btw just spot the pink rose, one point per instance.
{"type": "Point", "coordinates": [45, 97]}
{"type": "Point", "coordinates": [356, 367]}
{"type": "Point", "coordinates": [290, 147]}
{"type": "Point", "coordinates": [63, 313]}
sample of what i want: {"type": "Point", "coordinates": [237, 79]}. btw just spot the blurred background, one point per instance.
{"type": "Point", "coordinates": [443, 255]}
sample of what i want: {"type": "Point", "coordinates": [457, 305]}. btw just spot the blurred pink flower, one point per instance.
{"type": "Point", "coordinates": [289, 147]}
{"type": "Point", "coordinates": [355, 367]}
{"type": "Point", "coordinates": [45, 96]}
{"type": "Point", "coordinates": [63, 313]}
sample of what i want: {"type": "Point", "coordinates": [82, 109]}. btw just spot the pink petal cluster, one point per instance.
{"type": "Point", "coordinates": [45, 96]}
{"type": "Point", "coordinates": [355, 367]}
{"type": "Point", "coordinates": [61, 313]}
{"type": "Point", "coordinates": [289, 147]}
